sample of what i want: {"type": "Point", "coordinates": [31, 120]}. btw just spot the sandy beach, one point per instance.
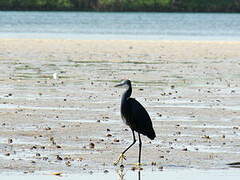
{"type": "Point", "coordinates": [60, 111]}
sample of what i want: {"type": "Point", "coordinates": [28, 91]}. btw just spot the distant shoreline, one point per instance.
{"type": "Point", "coordinates": [222, 6]}
{"type": "Point", "coordinates": [106, 11]}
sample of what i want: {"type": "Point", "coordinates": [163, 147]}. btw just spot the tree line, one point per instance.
{"type": "Point", "coordinates": [124, 5]}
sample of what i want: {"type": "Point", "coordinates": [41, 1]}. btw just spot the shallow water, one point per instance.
{"type": "Point", "coordinates": [172, 174]}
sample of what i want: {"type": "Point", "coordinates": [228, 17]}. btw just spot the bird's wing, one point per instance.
{"type": "Point", "coordinates": [140, 119]}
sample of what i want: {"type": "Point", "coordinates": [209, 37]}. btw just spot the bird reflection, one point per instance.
{"type": "Point", "coordinates": [121, 174]}
{"type": "Point", "coordinates": [139, 175]}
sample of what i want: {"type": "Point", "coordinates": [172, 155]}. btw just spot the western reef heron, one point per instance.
{"type": "Point", "coordinates": [136, 117]}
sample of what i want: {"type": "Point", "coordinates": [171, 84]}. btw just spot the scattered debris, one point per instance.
{"type": "Point", "coordinates": [116, 140]}
{"type": "Point", "coordinates": [91, 145]}
{"type": "Point", "coordinates": [10, 141]}
{"type": "Point", "coordinates": [106, 171]}
{"type": "Point", "coordinates": [206, 137]}
{"type": "Point", "coordinates": [68, 163]}
{"type": "Point", "coordinates": [59, 158]}
{"type": "Point", "coordinates": [47, 128]}
{"type": "Point", "coordinates": [153, 163]}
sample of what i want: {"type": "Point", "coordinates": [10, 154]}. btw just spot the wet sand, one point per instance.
{"type": "Point", "coordinates": [71, 123]}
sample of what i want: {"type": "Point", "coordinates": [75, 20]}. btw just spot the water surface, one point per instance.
{"type": "Point", "coordinates": [90, 25]}
{"type": "Point", "coordinates": [173, 174]}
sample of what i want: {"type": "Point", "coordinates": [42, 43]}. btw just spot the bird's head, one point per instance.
{"type": "Point", "coordinates": [124, 83]}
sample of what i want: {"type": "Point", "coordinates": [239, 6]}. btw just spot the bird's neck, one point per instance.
{"type": "Point", "coordinates": [124, 104]}
{"type": "Point", "coordinates": [127, 94]}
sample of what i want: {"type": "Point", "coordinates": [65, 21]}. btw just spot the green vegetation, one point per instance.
{"type": "Point", "coordinates": [35, 5]}
{"type": "Point", "coordinates": [124, 5]}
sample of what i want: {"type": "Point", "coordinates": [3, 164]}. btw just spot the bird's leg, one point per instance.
{"type": "Point", "coordinates": [138, 165]}
{"type": "Point", "coordinates": [140, 149]}
{"type": "Point", "coordinates": [122, 156]}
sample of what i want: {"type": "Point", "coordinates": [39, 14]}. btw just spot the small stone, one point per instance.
{"type": "Point", "coordinates": [59, 158]}
{"type": "Point", "coordinates": [106, 171]}
{"type": "Point", "coordinates": [178, 133]}
{"type": "Point", "coordinates": [160, 115]}
{"type": "Point", "coordinates": [154, 163]}
{"type": "Point", "coordinates": [33, 147]}
{"type": "Point", "coordinates": [91, 145]}
{"type": "Point", "coordinates": [116, 140]}
{"type": "Point", "coordinates": [68, 163]}
{"type": "Point", "coordinates": [160, 168]}
{"type": "Point", "coordinates": [206, 137]}
{"type": "Point", "coordinates": [7, 154]}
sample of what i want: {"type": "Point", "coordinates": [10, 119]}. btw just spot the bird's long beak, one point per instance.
{"type": "Point", "coordinates": [121, 84]}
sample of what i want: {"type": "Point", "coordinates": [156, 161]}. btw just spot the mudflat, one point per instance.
{"type": "Point", "coordinates": [60, 111]}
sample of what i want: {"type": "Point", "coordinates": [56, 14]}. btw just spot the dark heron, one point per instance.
{"type": "Point", "coordinates": [136, 117]}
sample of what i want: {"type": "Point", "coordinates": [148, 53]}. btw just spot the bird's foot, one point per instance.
{"type": "Point", "coordinates": [137, 166]}
{"type": "Point", "coordinates": [120, 159]}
